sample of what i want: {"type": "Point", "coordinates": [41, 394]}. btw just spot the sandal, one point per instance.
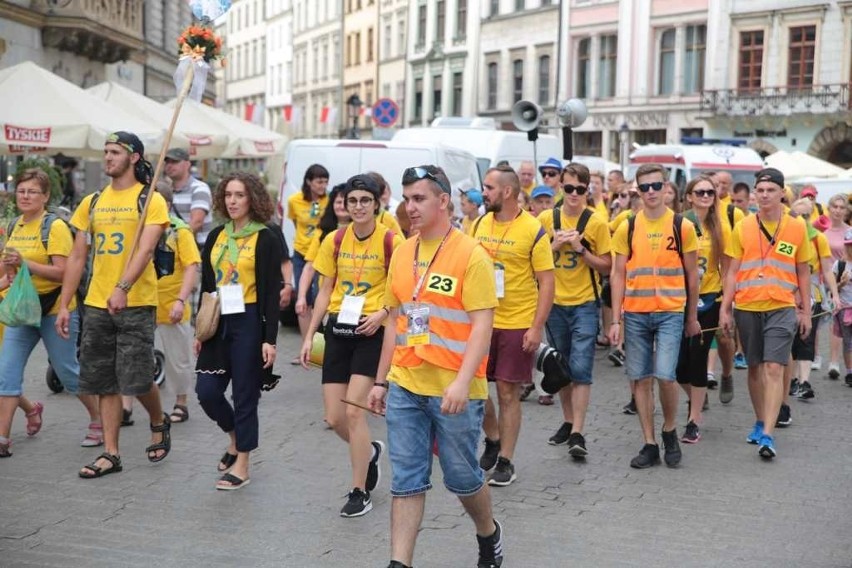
{"type": "Point", "coordinates": [227, 462]}
{"type": "Point", "coordinates": [97, 471]}
{"type": "Point", "coordinates": [5, 444]}
{"type": "Point", "coordinates": [94, 437]}
{"type": "Point", "coordinates": [180, 413]}
{"type": "Point", "coordinates": [127, 418]}
{"type": "Point", "coordinates": [166, 443]}
{"type": "Point", "coordinates": [230, 482]}
{"type": "Point", "coordinates": [36, 412]}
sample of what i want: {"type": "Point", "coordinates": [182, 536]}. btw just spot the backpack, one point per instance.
{"type": "Point", "coordinates": [46, 223]}
{"type": "Point", "coordinates": [164, 258]}
{"type": "Point", "coordinates": [731, 210]}
{"type": "Point", "coordinates": [581, 226]}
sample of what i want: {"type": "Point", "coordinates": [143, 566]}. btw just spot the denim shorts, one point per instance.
{"type": "Point", "coordinates": [299, 263]}
{"type": "Point", "coordinates": [414, 424]}
{"type": "Point", "coordinates": [652, 342]}
{"type": "Point", "coordinates": [18, 344]}
{"type": "Point", "coordinates": [572, 331]}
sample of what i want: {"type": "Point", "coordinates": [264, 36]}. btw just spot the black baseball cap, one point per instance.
{"type": "Point", "coordinates": [770, 174]}
{"type": "Point", "coordinates": [363, 182]}
{"type": "Point", "coordinates": [128, 141]}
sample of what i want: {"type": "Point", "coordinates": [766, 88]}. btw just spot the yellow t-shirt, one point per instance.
{"type": "Point", "coordinates": [466, 224]}
{"type": "Point", "coordinates": [823, 250]}
{"type": "Point", "coordinates": [113, 227]}
{"type": "Point", "coordinates": [518, 247]}
{"type": "Point", "coordinates": [711, 281]}
{"type": "Point", "coordinates": [619, 219]}
{"type": "Point", "coordinates": [723, 215]}
{"type": "Point", "coordinates": [26, 239]}
{"type": "Point", "coordinates": [389, 221]}
{"type": "Point", "coordinates": [243, 272]}
{"type": "Point", "coordinates": [478, 293]}
{"type": "Point", "coordinates": [600, 209]}
{"type": "Point", "coordinates": [804, 252]}
{"type": "Point", "coordinates": [359, 267]}
{"type": "Point", "coordinates": [724, 201]}
{"type": "Point", "coordinates": [182, 242]}
{"type": "Point", "coordinates": [314, 247]}
{"type": "Point", "coordinates": [573, 280]}
{"type": "Point", "coordinates": [305, 216]}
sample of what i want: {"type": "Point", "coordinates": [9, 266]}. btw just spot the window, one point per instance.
{"type": "Point", "coordinates": [584, 67]}
{"type": "Point", "coordinates": [440, 20]}
{"type": "Point", "coordinates": [388, 41]}
{"type": "Point", "coordinates": [520, 5]}
{"type": "Point", "coordinates": [254, 57]}
{"type": "Point", "coordinates": [437, 91]}
{"type": "Point", "coordinates": [517, 80]}
{"type": "Point", "coordinates": [418, 100]}
{"type": "Point", "coordinates": [800, 70]}
{"type": "Point", "coordinates": [348, 60]}
{"type": "Point", "coordinates": [336, 65]}
{"type": "Point", "coordinates": [588, 143]}
{"type": "Point", "coordinates": [492, 85]}
{"type": "Point", "coordinates": [643, 137]}
{"type": "Point", "coordinates": [421, 25]}
{"type": "Point", "coordinates": [400, 30]}
{"type": "Point", "coordinates": [693, 64]}
{"type": "Point", "coordinates": [751, 60]}
{"type": "Point", "coordinates": [369, 44]}
{"type": "Point", "coordinates": [495, 8]}
{"type": "Point", "coordinates": [461, 18]}
{"type": "Point", "coordinates": [606, 69]}
{"type": "Point", "coordinates": [325, 61]}
{"type": "Point", "coordinates": [458, 79]}
{"type": "Point", "coordinates": [316, 62]}
{"type": "Point", "coordinates": [544, 79]}
{"type": "Point", "coordinates": [357, 41]}
{"type": "Point", "coordinates": [665, 86]}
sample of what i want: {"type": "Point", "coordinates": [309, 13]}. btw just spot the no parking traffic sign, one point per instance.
{"type": "Point", "coordinates": [385, 113]}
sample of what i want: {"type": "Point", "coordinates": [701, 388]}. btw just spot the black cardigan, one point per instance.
{"type": "Point", "coordinates": [267, 274]}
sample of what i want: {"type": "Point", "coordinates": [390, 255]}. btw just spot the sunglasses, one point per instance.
{"type": "Point", "coordinates": [624, 195]}
{"type": "Point", "coordinates": [364, 201]}
{"type": "Point", "coordinates": [411, 175]}
{"type": "Point", "coordinates": [549, 173]}
{"type": "Point", "coordinates": [578, 189]}
{"type": "Point", "coordinates": [646, 187]}
{"type": "Point", "coordinates": [705, 192]}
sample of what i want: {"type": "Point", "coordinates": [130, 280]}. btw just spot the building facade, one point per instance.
{"type": "Point", "coordinates": [279, 63]}
{"type": "Point", "coordinates": [317, 78]}
{"type": "Point", "coordinates": [164, 22]}
{"type": "Point", "coordinates": [245, 70]}
{"type": "Point", "coordinates": [780, 77]}
{"type": "Point", "coordinates": [443, 60]}
{"type": "Point", "coordinates": [360, 64]}
{"type": "Point", "coordinates": [392, 33]}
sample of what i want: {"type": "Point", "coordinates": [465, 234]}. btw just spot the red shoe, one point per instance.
{"type": "Point", "coordinates": [36, 412]}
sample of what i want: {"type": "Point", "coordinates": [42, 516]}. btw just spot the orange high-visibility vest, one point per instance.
{"type": "Point", "coordinates": [655, 282]}
{"type": "Point", "coordinates": [449, 323]}
{"type": "Point", "coordinates": [773, 277]}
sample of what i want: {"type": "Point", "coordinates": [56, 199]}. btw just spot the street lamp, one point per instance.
{"type": "Point", "coordinates": [624, 139]}
{"type": "Point", "coordinates": [354, 104]}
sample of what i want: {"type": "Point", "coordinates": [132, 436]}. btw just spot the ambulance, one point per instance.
{"type": "Point", "coordinates": [685, 161]}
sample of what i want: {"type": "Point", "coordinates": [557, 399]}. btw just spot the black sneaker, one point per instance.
{"type": "Point", "coordinates": [806, 391]}
{"type": "Point", "coordinates": [359, 503]}
{"type": "Point", "coordinates": [562, 435]}
{"type": "Point", "coordinates": [577, 445]}
{"type": "Point", "coordinates": [692, 434]}
{"type": "Point", "coordinates": [374, 470]}
{"type": "Point", "coordinates": [397, 564]}
{"type": "Point", "coordinates": [127, 417]}
{"type": "Point", "coordinates": [504, 473]}
{"type": "Point", "coordinates": [794, 388]}
{"type": "Point", "coordinates": [489, 455]}
{"type": "Point", "coordinates": [630, 407]}
{"type": "Point", "coordinates": [712, 383]}
{"type": "Point", "coordinates": [649, 455]}
{"type": "Point", "coordinates": [785, 418]}
{"type": "Point", "coordinates": [616, 357]}
{"type": "Point", "coordinates": [491, 548]}
{"type": "Point", "coordinates": [672, 447]}
{"type": "Point", "coordinates": [848, 379]}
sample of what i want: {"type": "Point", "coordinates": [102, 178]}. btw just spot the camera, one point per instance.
{"type": "Point", "coordinates": [553, 368]}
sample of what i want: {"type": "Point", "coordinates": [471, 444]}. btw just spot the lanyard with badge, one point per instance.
{"type": "Point", "coordinates": [231, 297]}
{"type": "Point", "coordinates": [499, 269]}
{"type": "Point", "coordinates": [418, 316]}
{"type": "Point", "coordinates": [353, 304]}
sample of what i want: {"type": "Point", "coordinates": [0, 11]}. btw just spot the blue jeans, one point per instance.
{"type": "Point", "coordinates": [19, 342]}
{"type": "Point", "coordinates": [572, 332]}
{"type": "Point", "coordinates": [299, 263]}
{"type": "Point", "coordinates": [643, 332]}
{"type": "Point", "coordinates": [414, 423]}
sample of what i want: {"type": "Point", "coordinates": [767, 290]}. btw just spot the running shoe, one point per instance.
{"type": "Point", "coordinates": [726, 391]}
{"type": "Point", "coordinates": [756, 433]}
{"type": "Point", "coordinates": [562, 435]}
{"type": "Point", "coordinates": [692, 434]}
{"type": "Point", "coordinates": [358, 503]}
{"type": "Point", "coordinates": [785, 417]}
{"type": "Point", "coordinates": [794, 388]}
{"type": "Point", "coordinates": [526, 391]}
{"type": "Point", "coordinates": [767, 447]}
{"type": "Point", "coordinates": [374, 470]}
{"type": "Point", "coordinates": [712, 383]}
{"type": "Point", "coordinates": [489, 455]}
{"type": "Point", "coordinates": [616, 357]}
{"type": "Point", "coordinates": [504, 473]}
{"type": "Point", "coordinates": [816, 364]}
{"type": "Point", "coordinates": [649, 455]}
{"type": "Point", "coordinates": [491, 548]}
{"type": "Point", "coordinates": [630, 407]}
{"type": "Point", "coordinates": [740, 361]}
{"type": "Point", "coordinates": [673, 454]}
{"type": "Point", "coordinates": [833, 371]}
{"type": "Point", "coordinates": [848, 379]}
{"type": "Point", "coordinates": [806, 391]}
{"type": "Point", "coordinates": [577, 446]}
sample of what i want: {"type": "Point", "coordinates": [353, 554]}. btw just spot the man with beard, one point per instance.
{"type": "Point", "coordinates": [117, 346]}
{"type": "Point", "coordinates": [514, 240]}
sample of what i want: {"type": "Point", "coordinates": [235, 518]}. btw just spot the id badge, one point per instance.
{"type": "Point", "coordinates": [418, 326]}
{"type": "Point", "coordinates": [231, 299]}
{"type": "Point", "coordinates": [500, 282]}
{"type": "Point", "coordinates": [350, 310]}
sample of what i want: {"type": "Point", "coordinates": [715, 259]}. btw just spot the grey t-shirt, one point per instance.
{"type": "Point", "coordinates": [194, 195]}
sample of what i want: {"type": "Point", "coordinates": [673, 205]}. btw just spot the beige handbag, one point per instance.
{"type": "Point", "coordinates": [207, 319]}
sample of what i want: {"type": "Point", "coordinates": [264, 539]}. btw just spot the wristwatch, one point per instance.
{"type": "Point", "coordinates": [123, 285]}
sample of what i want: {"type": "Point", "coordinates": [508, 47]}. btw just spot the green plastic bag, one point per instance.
{"type": "Point", "coordinates": [21, 305]}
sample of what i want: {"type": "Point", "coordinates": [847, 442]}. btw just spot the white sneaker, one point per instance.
{"type": "Point", "coordinates": [817, 363]}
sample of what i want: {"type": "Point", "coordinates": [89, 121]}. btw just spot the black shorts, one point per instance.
{"type": "Point", "coordinates": [347, 356]}
{"type": "Point", "coordinates": [805, 349]}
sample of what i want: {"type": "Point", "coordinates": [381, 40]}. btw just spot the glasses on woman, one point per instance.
{"type": "Point", "coordinates": [624, 195]}
{"type": "Point", "coordinates": [578, 189]}
{"type": "Point", "coordinates": [363, 202]}
{"type": "Point", "coordinates": [549, 173]}
{"type": "Point", "coordinates": [705, 192]}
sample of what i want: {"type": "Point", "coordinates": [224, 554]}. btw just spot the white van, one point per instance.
{"type": "Point", "coordinates": [686, 161]}
{"type": "Point", "coordinates": [480, 137]}
{"type": "Point", "coordinates": [346, 158]}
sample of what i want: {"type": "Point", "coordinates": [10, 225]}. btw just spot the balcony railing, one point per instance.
{"type": "Point", "coordinates": [776, 101]}
{"type": "Point", "coordinates": [102, 30]}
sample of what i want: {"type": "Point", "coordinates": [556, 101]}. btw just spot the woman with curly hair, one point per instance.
{"type": "Point", "coordinates": [241, 261]}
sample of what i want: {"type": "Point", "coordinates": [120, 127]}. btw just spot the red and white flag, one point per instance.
{"type": "Point", "coordinates": [254, 112]}
{"type": "Point", "coordinates": [287, 112]}
{"type": "Point", "coordinates": [328, 115]}
{"type": "Point", "coordinates": [249, 112]}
